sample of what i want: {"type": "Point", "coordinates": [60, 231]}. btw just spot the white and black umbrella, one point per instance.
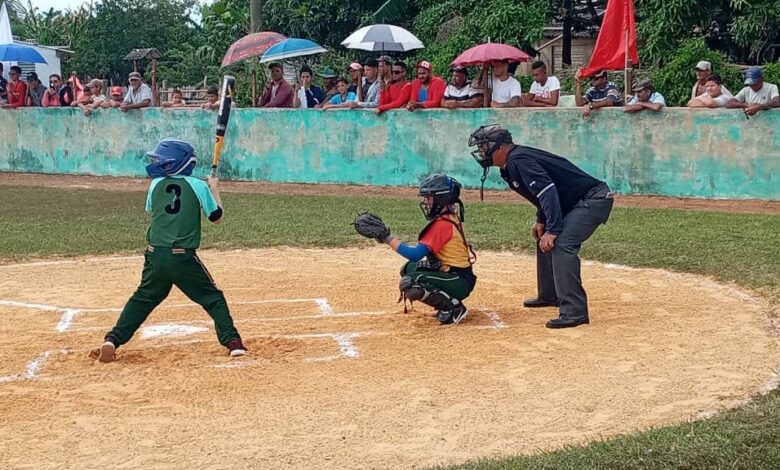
{"type": "Point", "coordinates": [384, 38]}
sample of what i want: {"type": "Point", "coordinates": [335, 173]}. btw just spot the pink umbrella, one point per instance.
{"type": "Point", "coordinates": [252, 45]}
{"type": "Point", "coordinates": [484, 54]}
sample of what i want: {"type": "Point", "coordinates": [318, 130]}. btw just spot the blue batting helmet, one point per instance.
{"type": "Point", "coordinates": [171, 157]}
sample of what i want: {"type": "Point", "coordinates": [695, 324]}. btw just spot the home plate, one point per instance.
{"type": "Point", "coordinates": [170, 329]}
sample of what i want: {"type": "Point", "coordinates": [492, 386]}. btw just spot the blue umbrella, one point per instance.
{"type": "Point", "coordinates": [19, 53]}
{"type": "Point", "coordinates": [292, 47]}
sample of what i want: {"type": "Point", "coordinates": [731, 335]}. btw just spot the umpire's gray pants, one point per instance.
{"type": "Point", "coordinates": [558, 271]}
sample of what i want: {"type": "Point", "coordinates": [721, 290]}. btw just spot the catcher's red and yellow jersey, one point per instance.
{"type": "Point", "coordinates": [445, 241]}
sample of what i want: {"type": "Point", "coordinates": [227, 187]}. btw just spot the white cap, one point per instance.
{"type": "Point", "coordinates": [704, 65]}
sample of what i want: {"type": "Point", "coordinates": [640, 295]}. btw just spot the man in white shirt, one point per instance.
{"type": "Point", "coordinates": [507, 92]}
{"type": "Point", "coordinates": [757, 95]}
{"type": "Point", "coordinates": [139, 95]}
{"type": "Point", "coordinates": [544, 90]}
{"type": "Point", "coordinates": [714, 96]}
{"type": "Point", "coordinates": [459, 92]}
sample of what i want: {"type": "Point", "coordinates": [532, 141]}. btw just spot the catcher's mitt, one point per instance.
{"type": "Point", "coordinates": [371, 226]}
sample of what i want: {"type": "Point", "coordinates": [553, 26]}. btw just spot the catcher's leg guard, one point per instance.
{"type": "Point", "coordinates": [449, 309]}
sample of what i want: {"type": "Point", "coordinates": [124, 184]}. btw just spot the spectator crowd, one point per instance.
{"type": "Point", "coordinates": [383, 84]}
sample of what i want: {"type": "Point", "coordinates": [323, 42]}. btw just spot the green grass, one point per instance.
{"type": "Point", "coordinates": [745, 249]}
{"type": "Point", "coordinates": [41, 222]}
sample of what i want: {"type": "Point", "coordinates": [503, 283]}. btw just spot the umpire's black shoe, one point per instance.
{"type": "Point", "coordinates": [537, 302]}
{"type": "Point", "coordinates": [561, 322]}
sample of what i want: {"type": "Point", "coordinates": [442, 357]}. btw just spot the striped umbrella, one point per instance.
{"type": "Point", "coordinates": [384, 38]}
{"type": "Point", "coordinates": [252, 45]}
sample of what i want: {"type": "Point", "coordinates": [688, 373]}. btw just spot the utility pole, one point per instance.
{"type": "Point", "coordinates": [255, 10]}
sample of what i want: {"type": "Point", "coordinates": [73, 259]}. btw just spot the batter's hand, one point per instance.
{"type": "Point", "coordinates": [547, 242]}
{"type": "Point", "coordinates": [537, 230]}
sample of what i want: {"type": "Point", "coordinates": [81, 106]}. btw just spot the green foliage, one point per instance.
{"type": "Point", "coordinates": [772, 73]}
{"type": "Point", "coordinates": [743, 29]}
{"type": "Point", "coordinates": [450, 27]}
{"type": "Point", "coordinates": [675, 79]}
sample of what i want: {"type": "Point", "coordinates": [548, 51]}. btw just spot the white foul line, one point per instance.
{"type": "Point", "coordinates": [495, 319]}
{"type": "Point", "coordinates": [324, 306]}
{"type": "Point", "coordinates": [67, 318]}
{"type": "Point", "coordinates": [32, 369]}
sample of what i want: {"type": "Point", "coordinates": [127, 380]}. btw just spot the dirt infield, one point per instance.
{"type": "Point", "coordinates": [339, 377]}
{"type": "Point", "coordinates": [139, 184]}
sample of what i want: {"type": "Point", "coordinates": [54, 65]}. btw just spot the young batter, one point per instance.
{"type": "Point", "coordinates": [175, 200]}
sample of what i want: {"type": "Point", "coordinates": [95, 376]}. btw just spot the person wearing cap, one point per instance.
{"type": "Point", "coordinates": [278, 91]}
{"type": "Point", "coordinates": [545, 90]}
{"type": "Point", "coordinates": [16, 89]}
{"type": "Point", "coordinates": [177, 100]}
{"type": "Point", "coordinates": [35, 90]}
{"type": "Point", "coordinates": [400, 90]}
{"type": "Point", "coordinates": [212, 99]}
{"type": "Point", "coordinates": [601, 94]}
{"type": "Point", "coordinates": [714, 97]}
{"type": "Point", "coordinates": [385, 73]}
{"type": "Point", "coordinates": [115, 98]}
{"type": "Point", "coordinates": [507, 92]}
{"type": "Point", "coordinates": [757, 95]}
{"type": "Point", "coordinates": [329, 85]}
{"type": "Point", "coordinates": [644, 98]}
{"type": "Point", "coordinates": [138, 96]}
{"type": "Point", "coordinates": [371, 86]}
{"type": "Point", "coordinates": [427, 89]}
{"type": "Point", "coordinates": [355, 72]}
{"type": "Point", "coordinates": [459, 93]}
{"type": "Point", "coordinates": [97, 97]}
{"type": "Point", "coordinates": [703, 70]}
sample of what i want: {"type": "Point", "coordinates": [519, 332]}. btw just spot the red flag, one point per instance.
{"type": "Point", "coordinates": [610, 53]}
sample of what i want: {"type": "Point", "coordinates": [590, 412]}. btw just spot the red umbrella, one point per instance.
{"type": "Point", "coordinates": [486, 53]}
{"type": "Point", "coordinates": [252, 45]}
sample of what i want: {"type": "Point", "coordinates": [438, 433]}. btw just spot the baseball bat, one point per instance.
{"type": "Point", "coordinates": [225, 102]}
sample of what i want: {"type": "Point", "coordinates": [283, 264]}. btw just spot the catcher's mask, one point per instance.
{"type": "Point", "coordinates": [444, 191]}
{"type": "Point", "coordinates": [171, 157]}
{"type": "Point", "coordinates": [487, 139]}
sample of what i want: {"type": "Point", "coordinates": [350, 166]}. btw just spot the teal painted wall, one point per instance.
{"type": "Point", "coordinates": [678, 152]}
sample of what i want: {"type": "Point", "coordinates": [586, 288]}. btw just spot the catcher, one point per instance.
{"type": "Point", "coordinates": [439, 270]}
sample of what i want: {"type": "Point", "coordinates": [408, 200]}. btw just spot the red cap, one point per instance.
{"type": "Point", "coordinates": [425, 64]}
{"type": "Point", "coordinates": [116, 90]}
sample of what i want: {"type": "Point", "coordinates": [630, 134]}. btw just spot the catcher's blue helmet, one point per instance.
{"type": "Point", "coordinates": [171, 157]}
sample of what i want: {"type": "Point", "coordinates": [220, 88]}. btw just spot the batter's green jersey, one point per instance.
{"type": "Point", "coordinates": [176, 203]}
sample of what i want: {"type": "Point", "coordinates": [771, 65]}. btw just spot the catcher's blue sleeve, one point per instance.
{"type": "Point", "coordinates": [413, 253]}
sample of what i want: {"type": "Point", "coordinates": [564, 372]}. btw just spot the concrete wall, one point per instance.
{"type": "Point", "coordinates": [678, 152]}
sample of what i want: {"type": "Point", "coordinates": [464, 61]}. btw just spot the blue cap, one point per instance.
{"type": "Point", "coordinates": [752, 74]}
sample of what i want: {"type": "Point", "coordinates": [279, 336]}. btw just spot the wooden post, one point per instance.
{"type": "Point", "coordinates": [135, 65]}
{"type": "Point", "coordinates": [155, 95]}
{"type": "Point", "coordinates": [626, 74]}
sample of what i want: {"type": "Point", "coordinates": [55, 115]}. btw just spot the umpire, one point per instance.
{"type": "Point", "coordinates": [570, 204]}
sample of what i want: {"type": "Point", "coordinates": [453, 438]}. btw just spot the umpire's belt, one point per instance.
{"type": "Point", "coordinates": [168, 249]}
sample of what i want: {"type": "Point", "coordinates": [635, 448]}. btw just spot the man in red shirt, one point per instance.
{"type": "Point", "coordinates": [398, 93]}
{"type": "Point", "coordinates": [427, 89]}
{"type": "Point", "coordinates": [17, 89]}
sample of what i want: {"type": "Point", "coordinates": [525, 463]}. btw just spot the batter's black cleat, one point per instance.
{"type": "Point", "coordinates": [561, 322]}
{"type": "Point", "coordinates": [539, 303]}
{"type": "Point", "coordinates": [454, 315]}
{"type": "Point", "coordinates": [236, 348]}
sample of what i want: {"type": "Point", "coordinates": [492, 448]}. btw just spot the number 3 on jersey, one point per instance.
{"type": "Point", "coordinates": [176, 206]}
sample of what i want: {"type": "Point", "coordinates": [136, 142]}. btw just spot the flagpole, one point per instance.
{"type": "Point", "coordinates": [626, 78]}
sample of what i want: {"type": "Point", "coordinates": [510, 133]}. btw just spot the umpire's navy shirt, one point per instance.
{"type": "Point", "coordinates": [552, 183]}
